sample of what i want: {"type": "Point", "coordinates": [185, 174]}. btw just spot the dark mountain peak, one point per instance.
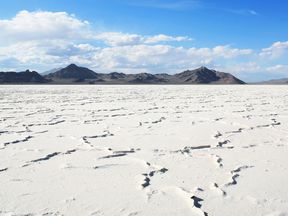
{"type": "Point", "coordinates": [72, 66]}
{"type": "Point", "coordinates": [73, 71]}
{"type": "Point", "coordinates": [199, 75]}
{"type": "Point", "coordinates": [204, 75]}
{"type": "Point", "coordinates": [203, 68]}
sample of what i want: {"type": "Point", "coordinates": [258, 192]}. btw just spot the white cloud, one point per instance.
{"type": "Point", "coordinates": [165, 38]}
{"type": "Point", "coordinates": [134, 58]}
{"type": "Point", "coordinates": [124, 39]}
{"type": "Point", "coordinates": [157, 58]}
{"type": "Point", "coordinates": [278, 69]}
{"type": "Point", "coordinates": [277, 50]}
{"type": "Point", "coordinates": [238, 68]}
{"type": "Point", "coordinates": [254, 68]}
{"type": "Point", "coordinates": [43, 40]}
{"type": "Point", "coordinates": [228, 52]}
{"type": "Point", "coordinates": [42, 25]}
{"type": "Point", "coordinates": [28, 52]}
{"type": "Point", "coordinates": [119, 38]}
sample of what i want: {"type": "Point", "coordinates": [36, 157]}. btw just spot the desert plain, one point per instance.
{"type": "Point", "coordinates": [143, 150]}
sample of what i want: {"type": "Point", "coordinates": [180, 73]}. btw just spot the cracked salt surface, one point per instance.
{"type": "Point", "coordinates": [134, 150]}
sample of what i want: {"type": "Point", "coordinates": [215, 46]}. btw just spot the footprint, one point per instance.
{"type": "Point", "coordinates": [148, 176]}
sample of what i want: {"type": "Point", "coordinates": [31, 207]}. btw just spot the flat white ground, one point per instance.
{"type": "Point", "coordinates": [144, 150]}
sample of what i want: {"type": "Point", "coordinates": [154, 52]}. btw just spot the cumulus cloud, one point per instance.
{"type": "Point", "coordinates": [244, 67]}
{"type": "Point", "coordinates": [165, 38]}
{"type": "Point", "coordinates": [125, 39]}
{"type": "Point", "coordinates": [44, 40]}
{"type": "Point", "coordinates": [42, 25]}
{"type": "Point", "coordinates": [277, 50]}
{"type": "Point", "coordinates": [278, 69]}
{"type": "Point", "coordinates": [228, 52]}
{"type": "Point", "coordinates": [255, 67]}
{"type": "Point", "coordinates": [133, 58]}
{"type": "Point", "coordinates": [118, 38]}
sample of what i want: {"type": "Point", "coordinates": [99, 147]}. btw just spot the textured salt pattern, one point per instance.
{"type": "Point", "coordinates": [143, 150]}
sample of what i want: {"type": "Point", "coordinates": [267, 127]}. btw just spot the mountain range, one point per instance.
{"type": "Point", "coordinates": [73, 74]}
{"type": "Point", "coordinates": [21, 77]}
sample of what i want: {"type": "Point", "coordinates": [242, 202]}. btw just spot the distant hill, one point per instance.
{"type": "Point", "coordinates": [146, 78]}
{"type": "Point", "coordinates": [72, 71]}
{"type": "Point", "coordinates": [116, 75]}
{"type": "Point", "coordinates": [274, 82]}
{"type": "Point", "coordinates": [21, 77]}
{"type": "Point", "coordinates": [204, 75]}
{"type": "Point", "coordinates": [81, 75]}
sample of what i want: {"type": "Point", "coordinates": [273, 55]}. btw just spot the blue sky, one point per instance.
{"type": "Point", "coordinates": [247, 38]}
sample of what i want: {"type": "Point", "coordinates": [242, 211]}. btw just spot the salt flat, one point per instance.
{"type": "Point", "coordinates": [144, 150]}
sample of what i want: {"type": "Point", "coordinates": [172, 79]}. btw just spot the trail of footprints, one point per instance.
{"type": "Point", "coordinates": [197, 202]}
{"type": "Point", "coordinates": [148, 176]}
{"type": "Point", "coordinates": [218, 160]}
{"type": "Point", "coordinates": [236, 174]}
